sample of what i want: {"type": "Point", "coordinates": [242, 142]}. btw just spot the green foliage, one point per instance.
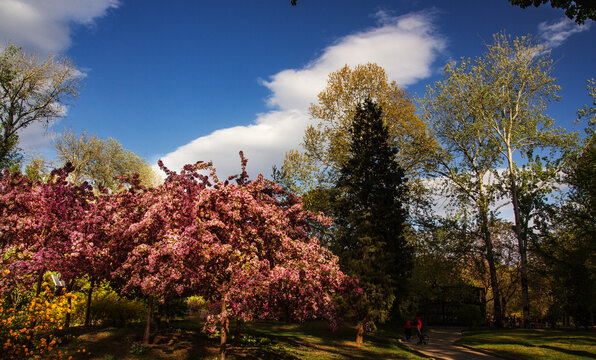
{"type": "Point", "coordinates": [578, 10]}
{"type": "Point", "coordinates": [370, 217]}
{"type": "Point", "coordinates": [100, 162]}
{"type": "Point", "coordinates": [37, 169]}
{"type": "Point", "coordinates": [570, 250]}
{"type": "Point", "coordinates": [326, 141]}
{"type": "Point", "coordinates": [31, 91]}
{"type": "Point", "coordinates": [195, 303]}
{"type": "Point", "coordinates": [589, 112]}
{"type": "Point", "coordinates": [470, 315]}
{"type": "Point", "coordinates": [456, 110]}
{"type": "Point", "coordinates": [138, 349]}
{"type": "Point", "coordinates": [108, 308]}
{"type": "Point", "coordinates": [441, 250]}
{"type": "Point", "coordinates": [487, 110]}
{"type": "Point", "coordinates": [10, 155]}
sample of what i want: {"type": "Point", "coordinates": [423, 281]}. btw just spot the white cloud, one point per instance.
{"type": "Point", "coordinates": [37, 138]}
{"type": "Point", "coordinates": [444, 204]}
{"type": "Point", "coordinates": [556, 33]}
{"type": "Point", "coordinates": [405, 46]}
{"type": "Point", "coordinates": [264, 144]}
{"type": "Point", "coordinates": [45, 26]}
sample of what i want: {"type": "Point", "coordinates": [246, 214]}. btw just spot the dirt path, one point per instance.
{"type": "Point", "coordinates": [440, 346]}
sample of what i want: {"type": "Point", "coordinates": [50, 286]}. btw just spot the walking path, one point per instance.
{"type": "Point", "coordinates": [440, 346]}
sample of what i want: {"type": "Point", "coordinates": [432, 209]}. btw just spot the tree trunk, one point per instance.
{"type": "Point", "coordinates": [237, 329]}
{"type": "Point", "coordinates": [503, 308]}
{"type": "Point", "coordinates": [167, 313]}
{"type": "Point", "coordinates": [38, 291]}
{"type": "Point", "coordinates": [491, 265]}
{"type": "Point", "coordinates": [522, 243]}
{"type": "Point", "coordinates": [39, 281]}
{"type": "Point", "coordinates": [223, 333]}
{"type": "Point", "coordinates": [158, 316]}
{"type": "Point", "coordinates": [147, 334]}
{"type": "Point", "coordinates": [69, 309]}
{"type": "Point", "coordinates": [360, 333]}
{"type": "Point", "coordinates": [88, 306]}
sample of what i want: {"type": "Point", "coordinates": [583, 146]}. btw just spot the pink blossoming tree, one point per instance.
{"type": "Point", "coordinates": [244, 246]}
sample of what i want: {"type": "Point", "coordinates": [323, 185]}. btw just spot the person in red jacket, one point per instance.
{"type": "Point", "coordinates": [419, 328]}
{"type": "Point", "coordinates": [408, 330]}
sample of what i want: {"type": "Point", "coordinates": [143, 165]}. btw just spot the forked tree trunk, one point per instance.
{"type": "Point", "coordinates": [147, 335]}
{"type": "Point", "coordinates": [360, 333]}
{"type": "Point", "coordinates": [223, 334]}
{"type": "Point", "coordinates": [88, 305]}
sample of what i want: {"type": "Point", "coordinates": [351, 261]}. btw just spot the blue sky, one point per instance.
{"type": "Point", "coordinates": [188, 80]}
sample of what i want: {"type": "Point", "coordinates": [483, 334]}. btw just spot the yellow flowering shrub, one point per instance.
{"type": "Point", "coordinates": [28, 332]}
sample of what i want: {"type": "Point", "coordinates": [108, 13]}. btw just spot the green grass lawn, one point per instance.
{"type": "Point", "coordinates": [264, 340]}
{"type": "Point", "coordinates": [543, 344]}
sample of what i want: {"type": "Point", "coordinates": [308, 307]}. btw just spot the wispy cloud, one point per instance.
{"type": "Point", "coordinates": [554, 34]}
{"type": "Point", "coordinates": [405, 46]}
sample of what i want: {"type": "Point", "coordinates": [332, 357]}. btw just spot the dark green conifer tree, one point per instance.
{"type": "Point", "coordinates": [370, 219]}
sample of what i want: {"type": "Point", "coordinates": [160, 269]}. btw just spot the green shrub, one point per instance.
{"type": "Point", "coordinates": [137, 349]}
{"type": "Point", "coordinates": [470, 315]}
{"type": "Point", "coordinates": [195, 303]}
{"type": "Point", "coordinates": [109, 308]}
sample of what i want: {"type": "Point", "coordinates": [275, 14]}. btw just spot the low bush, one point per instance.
{"type": "Point", "coordinates": [28, 331]}
{"type": "Point", "coordinates": [109, 308]}
{"type": "Point", "coordinates": [195, 304]}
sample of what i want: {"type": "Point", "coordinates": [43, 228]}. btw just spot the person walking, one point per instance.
{"type": "Point", "coordinates": [419, 328]}
{"type": "Point", "coordinates": [408, 330]}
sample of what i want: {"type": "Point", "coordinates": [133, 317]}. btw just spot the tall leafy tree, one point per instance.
{"type": "Point", "coordinates": [100, 162]}
{"type": "Point", "coordinates": [464, 161]}
{"type": "Point", "coordinates": [569, 249]}
{"type": "Point", "coordinates": [370, 218]}
{"type": "Point", "coordinates": [31, 90]}
{"type": "Point", "coordinates": [511, 86]}
{"type": "Point", "coordinates": [518, 74]}
{"type": "Point", "coordinates": [326, 141]}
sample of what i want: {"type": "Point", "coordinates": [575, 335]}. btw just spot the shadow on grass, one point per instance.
{"type": "Point", "coordinates": [529, 341]}
{"type": "Point", "coordinates": [118, 343]}
{"type": "Point", "coordinates": [267, 340]}
{"type": "Point", "coordinates": [570, 352]}
{"type": "Point", "coordinates": [479, 342]}
{"type": "Point", "coordinates": [313, 337]}
{"type": "Point", "coordinates": [100, 342]}
{"type": "Point", "coordinates": [579, 340]}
